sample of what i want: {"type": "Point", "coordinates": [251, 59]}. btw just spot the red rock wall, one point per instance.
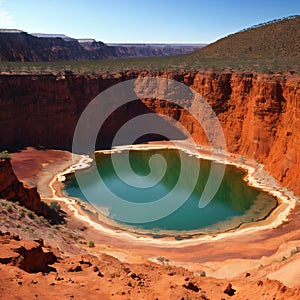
{"type": "Point", "coordinates": [12, 189]}
{"type": "Point", "coordinates": [260, 118]}
{"type": "Point", "coordinates": [44, 110]}
{"type": "Point", "coordinates": [259, 113]}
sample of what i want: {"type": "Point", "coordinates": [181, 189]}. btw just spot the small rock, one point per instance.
{"type": "Point", "coordinates": [17, 238]}
{"type": "Point", "coordinates": [83, 262]}
{"type": "Point", "coordinates": [100, 274]}
{"type": "Point", "coordinates": [34, 281]}
{"type": "Point", "coordinates": [141, 283]}
{"type": "Point", "coordinates": [59, 278]}
{"type": "Point", "coordinates": [283, 289]}
{"type": "Point", "coordinates": [127, 270]}
{"type": "Point", "coordinates": [95, 269]}
{"type": "Point", "coordinates": [248, 274]}
{"type": "Point", "coordinates": [75, 269]}
{"type": "Point", "coordinates": [191, 286]}
{"type": "Point", "coordinates": [229, 290]}
{"type": "Point", "coordinates": [52, 283]}
{"type": "Point", "coordinates": [260, 283]}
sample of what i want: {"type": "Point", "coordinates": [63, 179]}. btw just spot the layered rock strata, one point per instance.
{"type": "Point", "coordinates": [259, 114]}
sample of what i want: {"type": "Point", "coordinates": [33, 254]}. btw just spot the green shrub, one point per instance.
{"type": "Point", "coordinates": [5, 155]}
{"type": "Point", "coordinates": [55, 206]}
{"type": "Point", "coordinates": [30, 215]}
{"type": "Point", "coordinates": [42, 220]}
{"type": "Point", "coordinates": [91, 244]}
{"type": "Point", "coordinates": [10, 209]}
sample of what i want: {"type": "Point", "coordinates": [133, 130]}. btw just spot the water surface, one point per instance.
{"type": "Point", "coordinates": [235, 202]}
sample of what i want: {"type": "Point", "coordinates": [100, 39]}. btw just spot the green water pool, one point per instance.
{"type": "Point", "coordinates": [234, 203]}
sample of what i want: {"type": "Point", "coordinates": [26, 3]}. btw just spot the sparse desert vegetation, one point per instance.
{"type": "Point", "coordinates": [268, 48]}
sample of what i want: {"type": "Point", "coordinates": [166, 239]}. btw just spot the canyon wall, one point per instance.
{"type": "Point", "coordinates": [259, 113]}
{"type": "Point", "coordinates": [26, 47]}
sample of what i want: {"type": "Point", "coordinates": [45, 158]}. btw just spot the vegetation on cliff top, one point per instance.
{"type": "Point", "coordinates": [274, 46]}
{"type": "Point", "coordinates": [5, 155]}
{"type": "Point", "coordinates": [268, 48]}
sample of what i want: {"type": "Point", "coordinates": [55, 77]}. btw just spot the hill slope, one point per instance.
{"type": "Point", "coordinates": [275, 38]}
{"type": "Point", "coordinates": [273, 45]}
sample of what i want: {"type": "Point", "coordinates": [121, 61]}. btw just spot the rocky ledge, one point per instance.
{"type": "Point", "coordinates": [14, 190]}
{"type": "Point", "coordinates": [30, 256]}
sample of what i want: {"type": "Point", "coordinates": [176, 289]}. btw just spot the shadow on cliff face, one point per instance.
{"type": "Point", "coordinates": [128, 112]}
{"type": "Point", "coordinates": [14, 190]}
{"type": "Point", "coordinates": [44, 112]}
{"type": "Point", "coordinates": [118, 116]}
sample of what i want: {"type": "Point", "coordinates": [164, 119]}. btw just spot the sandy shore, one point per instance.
{"type": "Point", "coordinates": [263, 243]}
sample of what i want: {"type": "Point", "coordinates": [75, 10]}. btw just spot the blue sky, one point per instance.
{"type": "Point", "coordinates": [152, 21]}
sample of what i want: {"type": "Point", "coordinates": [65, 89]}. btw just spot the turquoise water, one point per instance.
{"type": "Point", "coordinates": [235, 202]}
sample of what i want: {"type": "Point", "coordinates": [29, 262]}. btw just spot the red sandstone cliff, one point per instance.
{"type": "Point", "coordinates": [258, 113]}
{"type": "Point", "coordinates": [12, 189]}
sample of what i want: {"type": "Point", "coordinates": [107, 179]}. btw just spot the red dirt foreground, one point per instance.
{"type": "Point", "coordinates": [25, 273]}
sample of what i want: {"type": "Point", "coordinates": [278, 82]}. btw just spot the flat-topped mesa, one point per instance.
{"type": "Point", "coordinates": [258, 113]}
{"type": "Point", "coordinates": [17, 45]}
{"type": "Point", "coordinates": [14, 190]}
